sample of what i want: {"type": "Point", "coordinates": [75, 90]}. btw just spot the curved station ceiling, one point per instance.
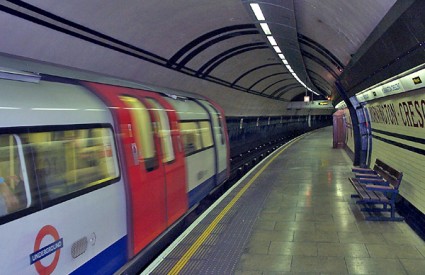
{"type": "Point", "coordinates": [249, 63]}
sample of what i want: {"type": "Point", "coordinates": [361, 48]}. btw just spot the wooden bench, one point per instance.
{"type": "Point", "coordinates": [377, 186]}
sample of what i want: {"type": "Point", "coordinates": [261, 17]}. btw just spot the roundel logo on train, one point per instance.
{"type": "Point", "coordinates": [47, 232]}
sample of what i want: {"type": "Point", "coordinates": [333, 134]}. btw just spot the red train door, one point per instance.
{"type": "Point", "coordinates": [148, 181]}
{"type": "Point", "coordinates": [172, 157]}
{"type": "Point", "coordinates": [154, 200]}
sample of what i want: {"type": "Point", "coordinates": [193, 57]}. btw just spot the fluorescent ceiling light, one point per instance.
{"type": "Point", "coordinates": [54, 109]}
{"type": "Point", "coordinates": [10, 108]}
{"type": "Point", "coordinates": [277, 49]}
{"type": "Point", "coordinates": [272, 40]}
{"type": "Point", "coordinates": [260, 17]}
{"type": "Point", "coordinates": [257, 11]}
{"type": "Point", "coordinates": [265, 28]}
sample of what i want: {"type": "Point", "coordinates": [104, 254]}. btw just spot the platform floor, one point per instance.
{"type": "Point", "coordinates": [292, 215]}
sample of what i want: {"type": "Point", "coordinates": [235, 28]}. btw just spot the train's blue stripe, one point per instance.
{"type": "Point", "coordinates": [200, 191]}
{"type": "Point", "coordinates": [108, 261]}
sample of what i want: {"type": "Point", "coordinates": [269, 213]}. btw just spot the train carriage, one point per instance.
{"type": "Point", "coordinates": [60, 163]}
{"type": "Point", "coordinates": [91, 174]}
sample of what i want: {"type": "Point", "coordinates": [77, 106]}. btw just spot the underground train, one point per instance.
{"type": "Point", "coordinates": [91, 173]}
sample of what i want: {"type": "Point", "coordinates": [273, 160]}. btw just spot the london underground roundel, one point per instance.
{"type": "Point", "coordinates": [42, 252]}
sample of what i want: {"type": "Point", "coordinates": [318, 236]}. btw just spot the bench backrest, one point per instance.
{"type": "Point", "coordinates": [380, 164]}
{"type": "Point", "coordinates": [391, 175]}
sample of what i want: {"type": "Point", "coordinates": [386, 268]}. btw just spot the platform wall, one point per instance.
{"type": "Point", "coordinates": [398, 131]}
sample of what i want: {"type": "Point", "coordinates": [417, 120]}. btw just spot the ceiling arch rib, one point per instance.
{"type": "Point", "coordinates": [318, 77]}
{"type": "Point", "coordinates": [326, 88]}
{"type": "Point", "coordinates": [252, 70]}
{"type": "Point", "coordinates": [274, 83]}
{"type": "Point", "coordinates": [198, 45]}
{"type": "Point", "coordinates": [325, 85]}
{"type": "Point", "coordinates": [49, 20]}
{"type": "Point", "coordinates": [209, 66]}
{"type": "Point", "coordinates": [281, 89]}
{"type": "Point", "coordinates": [320, 63]}
{"type": "Point", "coordinates": [324, 59]}
{"type": "Point", "coordinates": [208, 44]}
{"type": "Point", "coordinates": [287, 88]}
{"type": "Point", "coordinates": [306, 41]}
{"type": "Point", "coordinates": [265, 78]}
{"type": "Point", "coordinates": [201, 39]}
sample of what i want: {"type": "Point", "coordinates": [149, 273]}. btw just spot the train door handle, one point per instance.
{"type": "Point", "coordinates": [179, 144]}
{"type": "Point", "coordinates": [135, 154]}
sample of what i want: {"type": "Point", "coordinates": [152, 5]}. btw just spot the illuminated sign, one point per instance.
{"type": "Point", "coordinates": [323, 103]}
{"type": "Point", "coordinates": [391, 88]}
{"type": "Point", "coordinates": [417, 80]}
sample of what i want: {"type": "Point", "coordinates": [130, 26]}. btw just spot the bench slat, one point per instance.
{"type": "Point", "coordinates": [373, 196]}
{"type": "Point", "coordinates": [361, 175]}
{"type": "Point", "coordinates": [382, 197]}
{"type": "Point", "coordinates": [379, 181]}
{"type": "Point", "coordinates": [368, 195]}
{"type": "Point", "coordinates": [363, 170]}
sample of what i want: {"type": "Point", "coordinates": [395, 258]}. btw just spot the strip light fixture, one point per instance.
{"type": "Point", "coordinates": [265, 27]}
{"type": "Point", "coordinates": [272, 40]}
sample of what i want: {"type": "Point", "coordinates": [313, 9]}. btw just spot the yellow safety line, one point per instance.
{"type": "Point", "coordinates": [201, 239]}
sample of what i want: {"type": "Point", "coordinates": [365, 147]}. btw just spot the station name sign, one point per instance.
{"type": "Point", "coordinates": [409, 112]}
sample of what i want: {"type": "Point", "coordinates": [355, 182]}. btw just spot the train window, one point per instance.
{"type": "Point", "coordinates": [143, 132]}
{"type": "Point", "coordinates": [72, 160]}
{"type": "Point", "coordinates": [13, 179]}
{"type": "Point", "coordinates": [14, 187]}
{"type": "Point", "coordinates": [220, 124]}
{"type": "Point", "coordinates": [206, 134]}
{"type": "Point", "coordinates": [190, 137]}
{"type": "Point", "coordinates": [164, 132]}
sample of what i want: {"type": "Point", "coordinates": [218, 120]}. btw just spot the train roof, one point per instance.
{"type": "Point", "coordinates": [49, 103]}
{"type": "Point", "coordinates": [48, 71]}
